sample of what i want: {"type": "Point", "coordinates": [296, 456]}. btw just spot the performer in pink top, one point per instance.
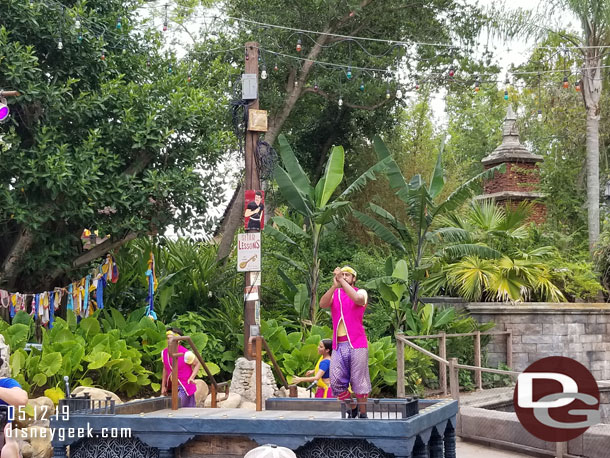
{"type": "Point", "coordinates": [188, 367]}
{"type": "Point", "coordinates": [349, 364]}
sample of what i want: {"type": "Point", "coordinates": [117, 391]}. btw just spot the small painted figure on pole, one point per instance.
{"type": "Point", "coordinates": [255, 206]}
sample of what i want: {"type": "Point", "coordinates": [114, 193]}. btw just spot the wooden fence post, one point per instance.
{"type": "Point", "coordinates": [478, 378]}
{"type": "Point", "coordinates": [400, 368]}
{"type": "Point", "coordinates": [509, 349]}
{"type": "Point", "coordinates": [442, 369]}
{"type": "Point", "coordinates": [453, 379]}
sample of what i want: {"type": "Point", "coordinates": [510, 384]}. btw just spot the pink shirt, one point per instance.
{"type": "Point", "coordinates": [352, 314]}
{"type": "Point", "coordinates": [184, 370]}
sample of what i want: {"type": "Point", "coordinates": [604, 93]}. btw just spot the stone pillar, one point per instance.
{"type": "Point", "coordinates": [519, 183]}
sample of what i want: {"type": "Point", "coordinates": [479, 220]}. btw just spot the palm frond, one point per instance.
{"type": "Point", "coordinates": [449, 234]}
{"type": "Point", "coordinates": [278, 235]}
{"type": "Point", "coordinates": [464, 192]}
{"type": "Point", "coordinates": [393, 172]}
{"type": "Point", "coordinates": [471, 276]}
{"type": "Point", "coordinates": [293, 167]}
{"type": "Point", "coordinates": [380, 230]}
{"type": "Point", "coordinates": [291, 192]}
{"type": "Point", "coordinates": [468, 249]}
{"type": "Point", "coordinates": [290, 226]}
{"type": "Point", "coordinates": [299, 266]}
{"type": "Point", "coordinates": [370, 175]}
{"type": "Point", "coordinates": [334, 211]}
{"type": "Point", "coordinates": [398, 226]}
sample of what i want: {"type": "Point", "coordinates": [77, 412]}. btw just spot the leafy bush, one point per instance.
{"type": "Point", "coordinates": [118, 354]}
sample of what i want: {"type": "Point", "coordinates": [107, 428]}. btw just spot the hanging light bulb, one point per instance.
{"type": "Point", "coordinates": [148, 63]}
{"type": "Point", "coordinates": [118, 24]}
{"type": "Point", "coordinates": [299, 46]}
{"type": "Point", "coordinates": [399, 94]}
{"type": "Point", "coordinates": [296, 83]}
{"type": "Point", "coordinates": [362, 86]}
{"type": "Point", "coordinates": [477, 85]}
{"type": "Point", "coordinates": [60, 45]}
{"type": "Point", "coordinates": [340, 102]}
{"type": "Point", "coordinates": [506, 94]}
{"type": "Point", "coordinates": [103, 56]}
{"type": "Point", "coordinates": [77, 24]}
{"type": "Point", "coordinates": [315, 87]}
{"type": "Point", "coordinates": [4, 111]}
{"type": "Point", "coordinates": [275, 69]}
{"type": "Point", "coordinates": [165, 27]}
{"type": "Point", "coordinates": [451, 72]}
{"type": "Point", "coordinates": [264, 74]}
{"type": "Point", "coordinates": [349, 73]}
{"type": "Point", "coordinates": [417, 86]}
{"type": "Point", "coordinates": [189, 78]}
{"type": "Point", "coordinates": [169, 69]}
{"type": "Point", "coordinates": [80, 36]}
{"type": "Point", "coordinates": [387, 93]}
{"type": "Point", "coordinates": [539, 115]}
{"type": "Point", "coordinates": [566, 84]}
{"type": "Point", "coordinates": [577, 86]}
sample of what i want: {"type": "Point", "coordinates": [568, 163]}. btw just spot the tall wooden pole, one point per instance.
{"type": "Point", "coordinates": [252, 182]}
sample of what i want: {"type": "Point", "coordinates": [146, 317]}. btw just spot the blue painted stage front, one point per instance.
{"type": "Point", "coordinates": [157, 431]}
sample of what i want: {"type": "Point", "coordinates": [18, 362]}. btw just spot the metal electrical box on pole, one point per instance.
{"type": "Point", "coordinates": [250, 92]}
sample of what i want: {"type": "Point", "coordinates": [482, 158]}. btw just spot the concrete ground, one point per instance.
{"type": "Point", "coordinates": [475, 450]}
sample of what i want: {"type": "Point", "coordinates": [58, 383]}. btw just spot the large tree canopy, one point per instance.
{"type": "Point", "coordinates": [110, 133]}
{"type": "Point", "coordinates": [303, 94]}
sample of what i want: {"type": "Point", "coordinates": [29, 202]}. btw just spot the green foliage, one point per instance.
{"type": "Point", "coordinates": [315, 214]}
{"type": "Point", "coordinates": [423, 209]}
{"type": "Point", "coordinates": [189, 277]}
{"type": "Point", "coordinates": [113, 145]}
{"type": "Point", "coordinates": [106, 350]}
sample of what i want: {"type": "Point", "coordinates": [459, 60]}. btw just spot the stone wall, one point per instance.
{"type": "Point", "coordinates": [578, 331]}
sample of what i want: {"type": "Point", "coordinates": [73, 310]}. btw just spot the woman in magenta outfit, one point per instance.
{"type": "Point", "coordinates": [188, 367]}
{"type": "Point", "coordinates": [321, 374]}
{"type": "Point", "coordinates": [349, 365]}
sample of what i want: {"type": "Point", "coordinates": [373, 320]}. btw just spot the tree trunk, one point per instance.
{"type": "Point", "coordinates": [12, 263]}
{"type": "Point", "coordinates": [592, 89]}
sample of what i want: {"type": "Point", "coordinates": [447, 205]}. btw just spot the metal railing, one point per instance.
{"type": "Point", "coordinates": [452, 363]}
{"type": "Point", "coordinates": [255, 350]}
{"type": "Point", "coordinates": [215, 387]}
{"type": "Point", "coordinates": [86, 405]}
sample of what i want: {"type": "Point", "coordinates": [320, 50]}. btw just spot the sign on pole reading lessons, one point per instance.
{"type": "Point", "coordinates": [249, 252]}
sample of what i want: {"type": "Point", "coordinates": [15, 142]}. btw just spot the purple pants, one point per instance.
{"type": "Point", "coordinates": [350, 366]}
{"type": "Point", "coordinates": [185, 399]}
